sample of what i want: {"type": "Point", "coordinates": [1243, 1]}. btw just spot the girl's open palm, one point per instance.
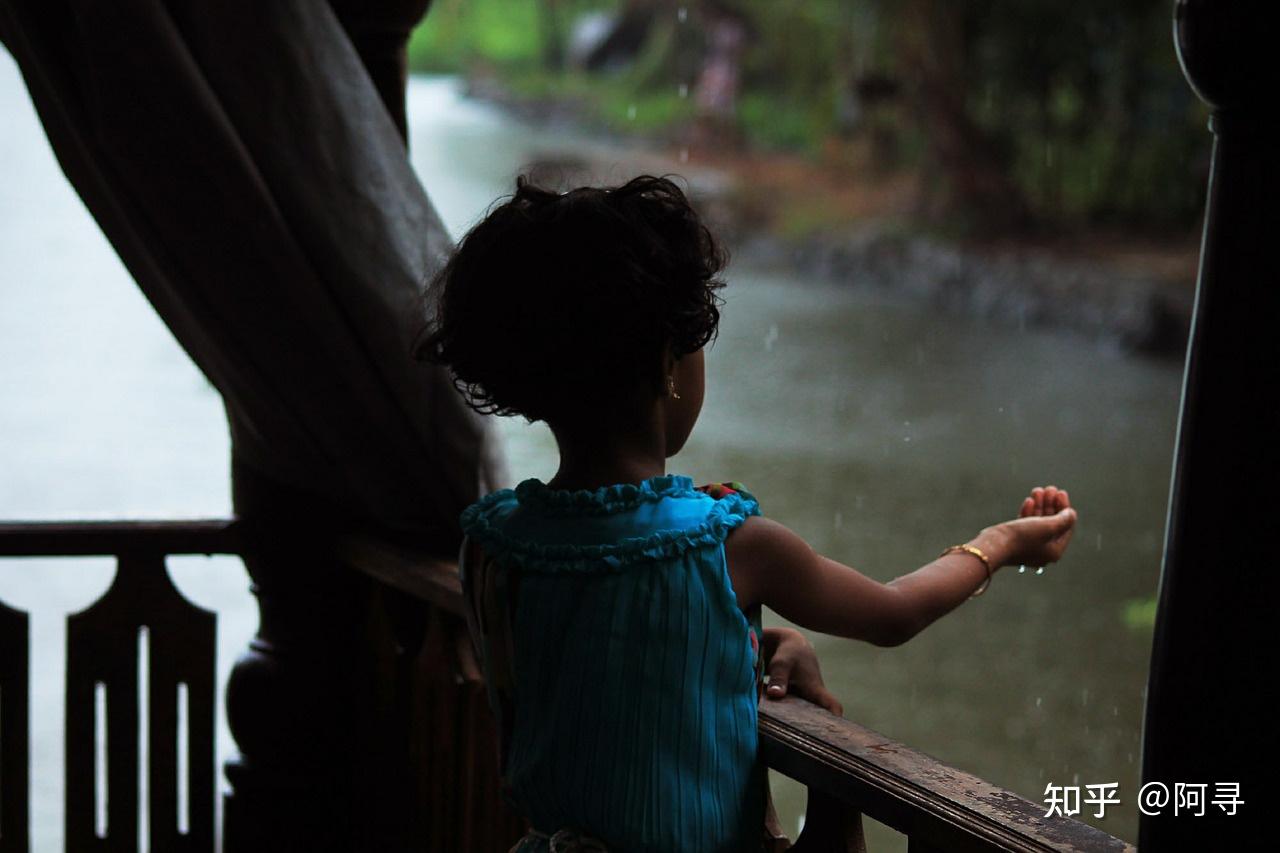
{"type": "Point", "coordinates": [1041, 532]}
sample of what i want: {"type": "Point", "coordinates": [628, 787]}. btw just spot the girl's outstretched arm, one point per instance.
{"type": "Point", "coordinates": [771, 565]}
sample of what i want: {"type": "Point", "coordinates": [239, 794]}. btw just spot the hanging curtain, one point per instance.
{"type": "Point", "coordinates": [240, 160]}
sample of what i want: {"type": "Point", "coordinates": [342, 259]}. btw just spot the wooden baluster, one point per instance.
{"type": "Point", "coordinates": [454, 746]}
{"type": "Point", "coordinates": [438, 714]}
{"type": "Point", "coordinates": [15, 722]}
{"type": "Point", "coordinates": [394, 633]}
{"type": "Point", "coordinates": [915, 845]}
{"type": "Point", "coordinates": [831, 826]}
{"type": "Point", "coordinates": [488, 821]}
{"type": "Point", "coordinates": [182, 657]}
{"type": "Point", "coordinates": [103, 645]}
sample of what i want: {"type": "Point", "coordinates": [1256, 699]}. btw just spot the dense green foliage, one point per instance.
{"type": "Point", "coordinates": [1069, 112]}
{"type": "Point", "coordinates": [458, 34]}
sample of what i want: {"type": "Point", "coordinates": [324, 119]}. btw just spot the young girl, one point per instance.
{"type": "Point", "coordinates": [627, 686]}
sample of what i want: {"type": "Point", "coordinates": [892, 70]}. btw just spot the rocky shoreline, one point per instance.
{"type": "Point", "coordinates": [1017, 288]}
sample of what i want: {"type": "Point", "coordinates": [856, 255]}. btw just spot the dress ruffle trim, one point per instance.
{"type": "Point", "coordinates": [727, 514]}
{"type": "Point", "coordinates": [604, 500]}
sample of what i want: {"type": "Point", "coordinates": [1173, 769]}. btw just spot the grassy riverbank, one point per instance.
{"type": "Point", "coordinates": [1066, 116]}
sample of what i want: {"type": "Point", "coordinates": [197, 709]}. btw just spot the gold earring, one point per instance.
{"type": "Point", "coordinates": [671, 388]}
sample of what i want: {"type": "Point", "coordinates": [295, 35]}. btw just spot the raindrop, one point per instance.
{"type": "Point", "coordinates": [631, 112]}
{"type": "Point", "coordinates": [684, 155]}
{"type": "Point", "coordinates": [857, 501]}
{"type": "Point", "coordinates": [907, 439]}
{"type": "Point", "coordinates": [1115, 710]}
{"type": "Point", "coordinates": [1084, 696]}
{"type": "Point", "coordinates": [1099, 541]}
{"type": "Point", "coordinates": [920, 355]}
{"type": "Point", "coordinates": [771, 338]}
{"type": "Point", "coordinates": [1038, 701]}
{"type": "Point", "coordinates": [684, 90]}
{"type": "Point", "coordinates": [1075, 778]}
{"type": "Point", "coordinates": [839, 520]}
{"type": "Point", "coordinates": [682, 14]}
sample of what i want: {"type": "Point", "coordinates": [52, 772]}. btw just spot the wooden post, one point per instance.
{"type": "Point", "coordinates": [1208, 719]}
{"type": "Point", "coordinates": [292, 701]}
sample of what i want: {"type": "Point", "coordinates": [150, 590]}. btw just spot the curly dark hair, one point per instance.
{"type": "Point", "coordinates": [556, 305]}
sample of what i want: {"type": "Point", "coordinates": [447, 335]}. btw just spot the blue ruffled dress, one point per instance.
{"type": "Point", "coordinates": [635, 673]}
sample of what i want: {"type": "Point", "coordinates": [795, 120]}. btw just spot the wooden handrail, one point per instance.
{"type": "Point", "coordinates": [428, 579]}
{"type": "Point", "coordinates": [104, 538]}
{"type": "Point", "coordinates": [935, 805]}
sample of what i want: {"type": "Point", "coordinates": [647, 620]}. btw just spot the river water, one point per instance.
{"type": "Point", "coordinates": [879, 432]}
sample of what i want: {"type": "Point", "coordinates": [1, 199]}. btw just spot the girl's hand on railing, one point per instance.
{"type": "Point", "coordinates": [1041, 532]}
{"type": "Point", "coordinates": [792, 666]}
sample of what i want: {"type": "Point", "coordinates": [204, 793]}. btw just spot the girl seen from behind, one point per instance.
{"type": "Point", "coordinates": [628, 683]}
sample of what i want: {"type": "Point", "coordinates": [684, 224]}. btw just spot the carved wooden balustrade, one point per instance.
{"type": "Point", "coordinates": [141, 615]}
{"type": "Point", "coordinates": [426, 777]}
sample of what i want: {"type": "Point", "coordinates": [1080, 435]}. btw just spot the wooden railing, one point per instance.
{"type": "Point", "coordinates": [141, 613]}
{"type": "Point", "coordinates": [427, 773]}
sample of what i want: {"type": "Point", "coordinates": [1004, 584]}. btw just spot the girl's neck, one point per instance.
{"type": "Point", "coordinates": [591, 459]}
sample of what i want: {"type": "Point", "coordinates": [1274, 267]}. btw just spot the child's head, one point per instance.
{"type": "Point", "coordinates": [580, 306]}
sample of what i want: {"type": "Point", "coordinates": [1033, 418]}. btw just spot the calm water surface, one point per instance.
{"type": "Point", "coordinates": [878, 432]}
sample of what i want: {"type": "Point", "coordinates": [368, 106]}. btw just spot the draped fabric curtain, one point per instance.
{"type": "Point", "coordinates": [241, 162]}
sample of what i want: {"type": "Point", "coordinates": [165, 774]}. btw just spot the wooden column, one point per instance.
{"type": "Point", "coordinates": [293, 696]}
{"type": "Point", "coordinates": [1209, 718]}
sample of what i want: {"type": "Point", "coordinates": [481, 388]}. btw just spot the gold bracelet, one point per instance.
{"type": "Point", "coordinates": [977, 552]}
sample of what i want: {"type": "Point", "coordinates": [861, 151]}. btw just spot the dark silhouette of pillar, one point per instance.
{"type": "Point", "coordinates": [292, 700]}
{"type": "Point", "coordinates": [1210, 719]}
